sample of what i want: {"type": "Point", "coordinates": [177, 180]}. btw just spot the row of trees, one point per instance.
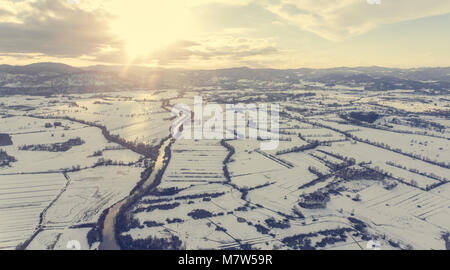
{"type": "Point", "coordinates": [416, 171]}
{"type": "Point", "coordinates": [54, 147]}
{"type": "Point", "coordinates": [384, 146]}
{"type": "Point", "coordinates": [297, 149]}
{"type": "Point", "coordinates": [227, 159]}
{"type": "Point", "coordinates": [140, 148]}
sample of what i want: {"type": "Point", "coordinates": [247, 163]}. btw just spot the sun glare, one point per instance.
{"type": "Point", "coordinates": [150, 25]}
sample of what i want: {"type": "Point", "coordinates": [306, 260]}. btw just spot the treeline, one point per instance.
{"type": "Point", "coordinates": [109, 162]}
{"type": "Point", "coordinates": [166, 206]}
{"type": "Point", "coordinates": [338, 156]}
{"type": "Point", "coordinates": [174, 191]}
{"type": "Point", "coordinates": [421, 123]}
{"type": "Point", "coordinates": [54, 147]}
{"type": "Point", "coordinates": [315, 200]}
{"type": "Point", "coordinates": [140, 148]}
{"type": "Point", "coordinates": [334, 166]}
{"type": "Point", "coordinates": [227, 159]}
{"type": "Point", "coordinates": [152, 243]}
{"type": "Point", "coordinates": [296, 149]}
{"type": "Point", "coordinates": [416, 171]}
{"type": "Point", "coordinates": [411, 155]}
{"type": "Point", "coordinates": [357, 173]}
{"type": "Point", "coordinates": [384, 146]}
{"type": "Point", "coordinates": [315, 171]}
{"type": "Point", "coordinates": [303, 241]}
{"type": "Point", "coordinates": [100, 162]}
{"type": "Point", "coordinates": [204, 196]}
{"type": "Point", "coordinates": [412, 183]}
{"type": "Point", "coordinates": [280, 224]}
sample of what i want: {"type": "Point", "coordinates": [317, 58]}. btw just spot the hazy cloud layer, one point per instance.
{"type": "Point", "coordinates": [206, 53]}
{"type": "Point", "coordinates": [56, 28]}
{"type": "Point", "coordinates": [339, 19]}
{"type": "Point", "coordinates": [5, 13]}
{"type": "Point", "coordinates": [215, 49]}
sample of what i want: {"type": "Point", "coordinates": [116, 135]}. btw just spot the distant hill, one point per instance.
{"type": "Point", "coordinates": [39, 68]}
{"type": "Point", "coordinates": [50, 78]}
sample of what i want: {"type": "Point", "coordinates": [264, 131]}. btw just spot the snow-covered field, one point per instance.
{"type": "Point", "coordinates": [51, 197]}
{"type": "Point", "coordinates": [23, 198]}
{"type": "Point", "coordinates": [351, 166]}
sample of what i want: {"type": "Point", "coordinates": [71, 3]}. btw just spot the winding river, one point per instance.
{"type": "Point", "coordinates": [109, 241]}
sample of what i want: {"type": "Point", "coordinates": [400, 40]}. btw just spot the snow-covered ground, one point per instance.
{"type": "Point", "coordinates": [335, 181]}
{"type": "Point", "coordinates": [47, 197]}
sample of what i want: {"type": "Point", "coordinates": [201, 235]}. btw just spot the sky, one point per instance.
{"type": "Point", "coordinates": [210, 34]}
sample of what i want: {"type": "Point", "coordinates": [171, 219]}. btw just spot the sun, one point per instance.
{"type": "Point", "coordinates": [150, 25]}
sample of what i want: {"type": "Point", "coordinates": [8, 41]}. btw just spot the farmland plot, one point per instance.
{"type": "Point", "coordinates": [137, 119]}
{"type": "Point", "coordinates": [31, 131]}
{"type": "Point", "coordinates": [193, 181]}
{"type": "Point", "coordinates": [335, 181]}
{"type": "Point", "coordinates": [64, 175]}
{"type": "Point", "coordinates": [87, 195]}
{"type": "Point", "coordinates": [22, 200]}
{"type": "Point", "coordinates": [378, 157]}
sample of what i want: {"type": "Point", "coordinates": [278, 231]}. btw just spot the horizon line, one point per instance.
{"type": "Point", "coordinates": [233, 67]}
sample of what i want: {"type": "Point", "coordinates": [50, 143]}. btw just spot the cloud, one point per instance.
{"type": "Point", "coordinates": [56, 28]}
{"type": "Point", "coordinates": [216, 33]}
{"type": "Point", "coordinates": [5, 13]}
{"type": "Point", "coordinates": [215, 49]}
{"type": "Point", "coordinates": [223, 16]}
{"type": "Point", "coordinates": [340, 19]}
{"type": "Point", "coordinates": [212, 52]}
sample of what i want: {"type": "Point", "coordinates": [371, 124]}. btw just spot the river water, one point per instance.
{"type": "Point", "coordinates": [109, 241]}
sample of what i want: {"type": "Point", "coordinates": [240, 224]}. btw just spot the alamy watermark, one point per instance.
{"type": "Point", "coordinates": [228, 121]}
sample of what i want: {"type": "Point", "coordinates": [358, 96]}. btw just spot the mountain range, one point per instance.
{"type": "Point", "coordinates": [56, 78]}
